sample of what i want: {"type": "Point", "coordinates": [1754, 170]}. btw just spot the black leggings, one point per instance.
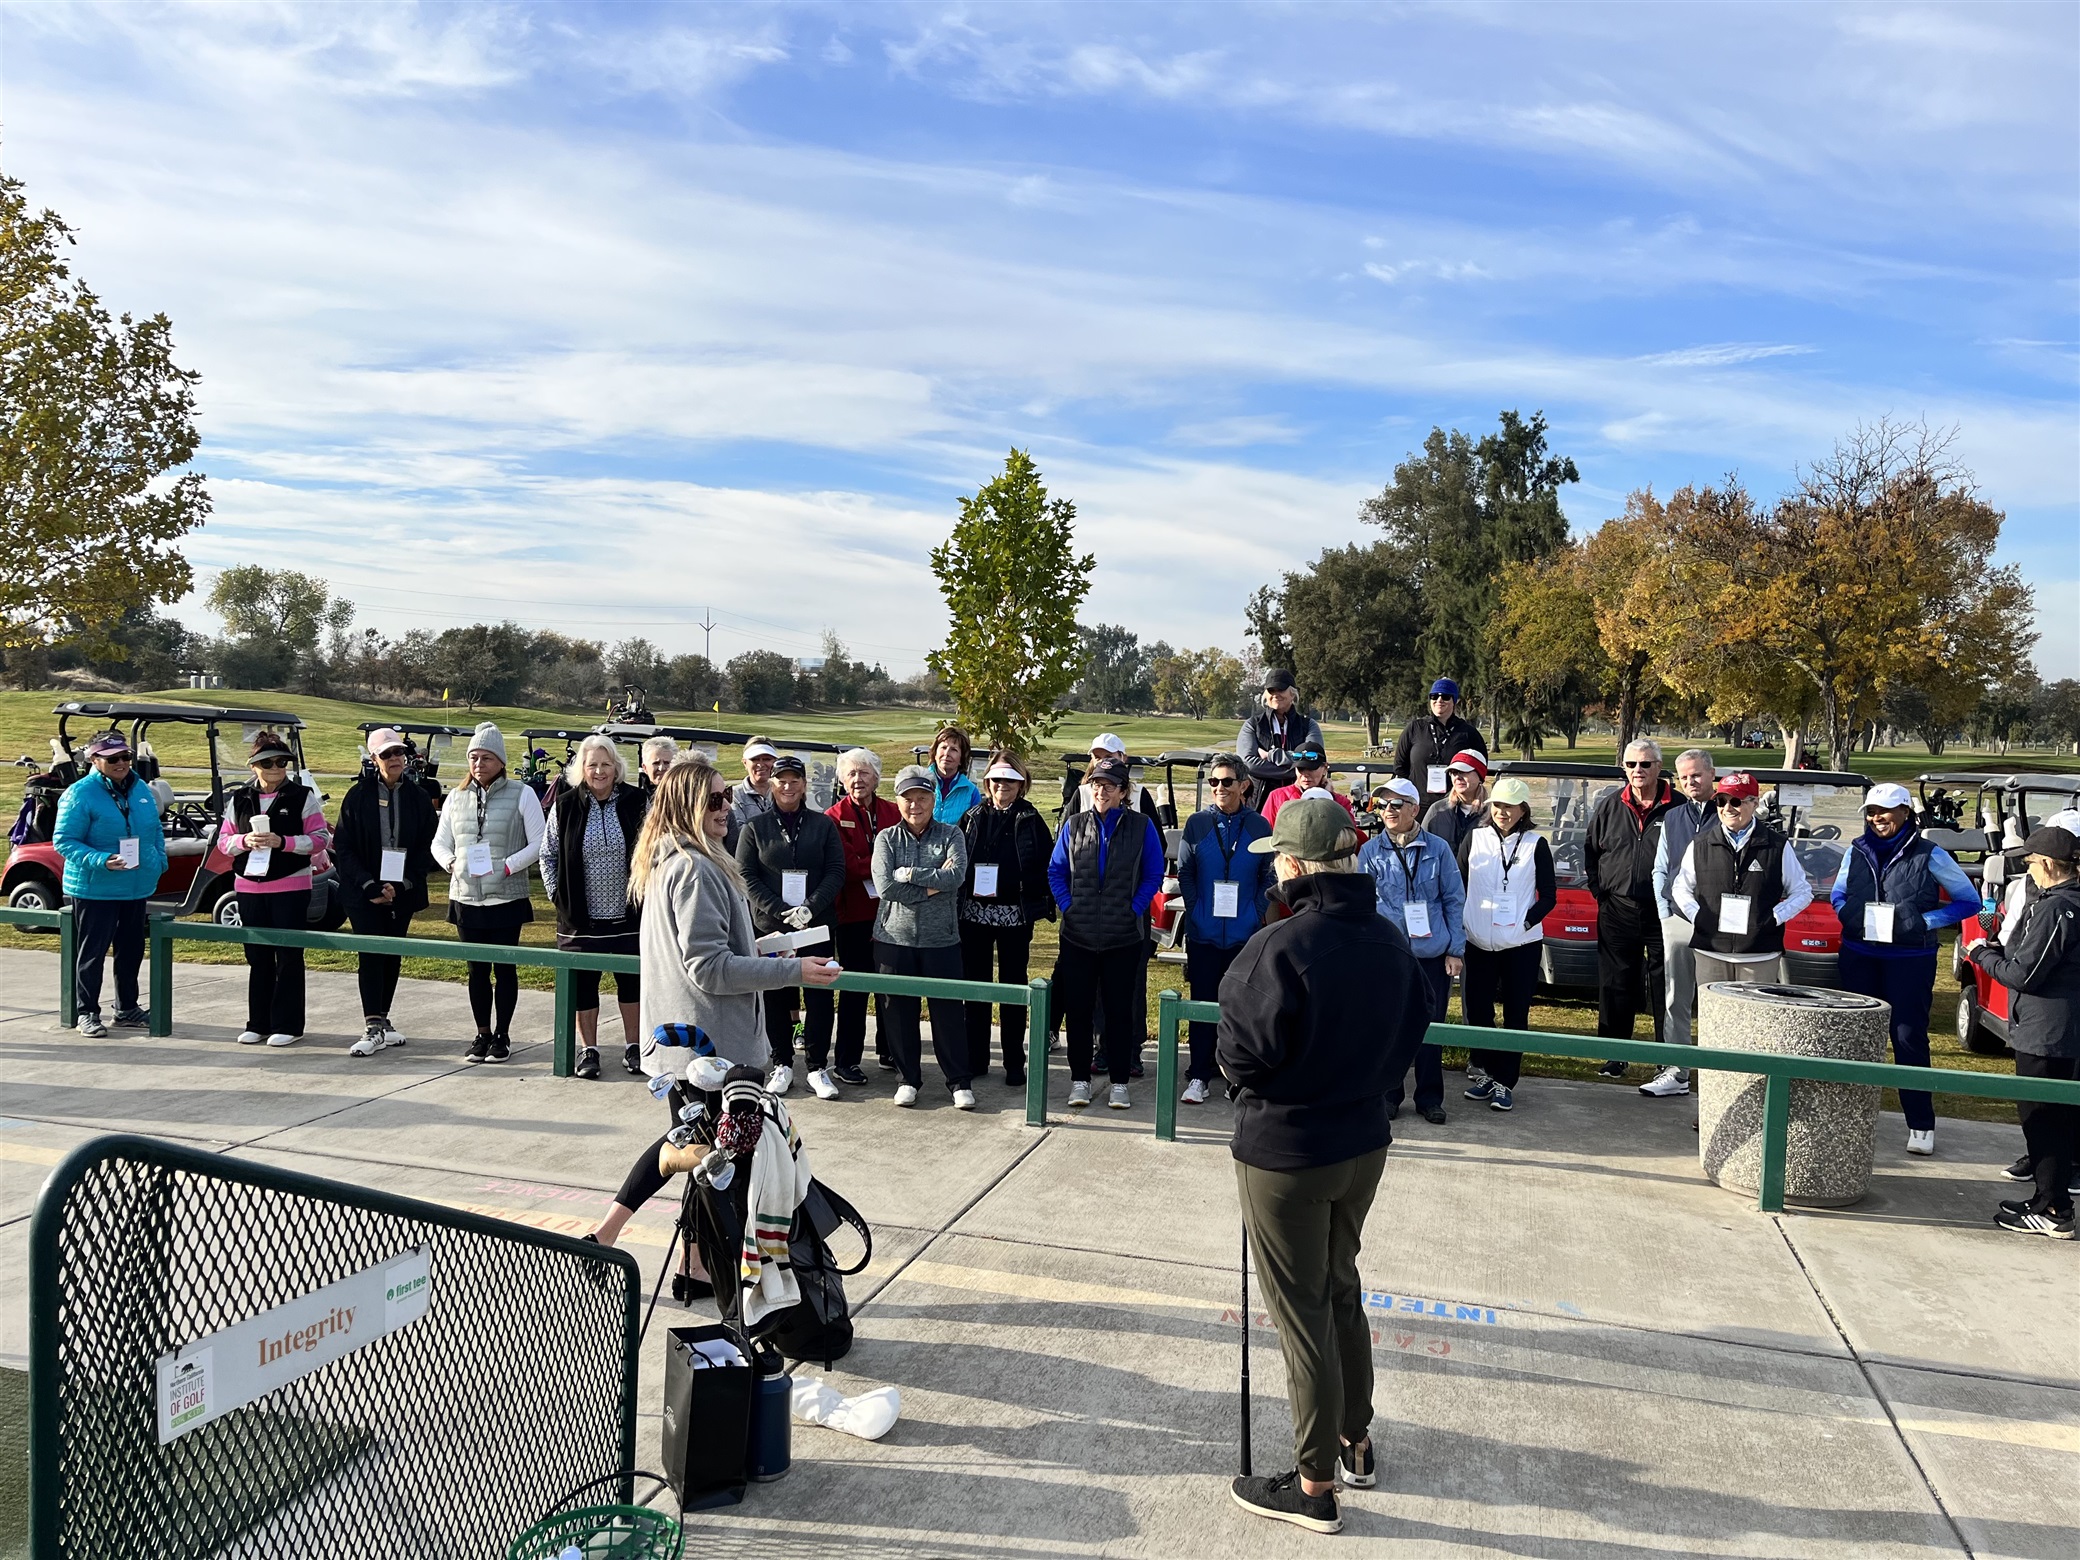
{"type": "Point", "coordinates": [644, 1180]}
{"type": "Point", "coordinates": [506, 978]}
{"type": "Point", "coordinates": [1511, 973]}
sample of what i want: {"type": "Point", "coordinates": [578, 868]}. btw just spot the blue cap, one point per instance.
{"type": "Point", "coordinates": [1445, 686]}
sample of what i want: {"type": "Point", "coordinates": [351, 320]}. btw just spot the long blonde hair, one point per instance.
{"type": "Point", "coordinates": [678, 822]}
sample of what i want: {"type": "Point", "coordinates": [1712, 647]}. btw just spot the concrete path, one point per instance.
{"type": "Point", "coordinates": [1584, 1350]}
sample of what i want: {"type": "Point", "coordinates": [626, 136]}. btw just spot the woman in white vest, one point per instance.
{"type": "Point", "coordinates": [490, 834]}
{"type": "Point", "coordinates": [1510, 889]}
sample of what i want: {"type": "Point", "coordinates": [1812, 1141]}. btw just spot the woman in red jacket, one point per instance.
{"type": "Point", "coordinates": [860, 815]}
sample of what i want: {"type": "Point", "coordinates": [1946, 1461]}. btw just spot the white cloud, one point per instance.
{"type": "Point", "coordinates": [1721, 356]}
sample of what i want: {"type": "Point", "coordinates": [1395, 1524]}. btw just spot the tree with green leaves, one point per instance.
{"type": "Point", "coordinates": [1116, 670]}
{"type": "Point", "coordinates": [94, 414]}
{"type": "Point", "coordinates": [1012, 581]}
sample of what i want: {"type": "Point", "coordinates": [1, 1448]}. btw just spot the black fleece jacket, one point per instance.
{"type": "Point", "coordinates": [1320, 1013]}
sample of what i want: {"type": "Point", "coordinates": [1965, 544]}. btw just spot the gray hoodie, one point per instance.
{"type": "Point", "coordinates": [910, 915]}
{"type": "Point", "coordinates": [699, 966]}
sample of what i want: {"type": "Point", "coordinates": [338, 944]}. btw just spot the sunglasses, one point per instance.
{"type": "Point", "coordinates": [1222, 782]}
{"type": "Point", "coordinates": [394, 753]}
{"type": "Point", "coordinates": [270, 763]}
{"type": "Point", "coordinates": [1733, 801]}
{"type": "Point", "coordinates": [1641, 763]}
{"type": "Point", "coordinates": [115, 758]}
{"type": "Point", "coordinates": [1398, 806]}
{"type": "Point", "coordinates": [721, 796]}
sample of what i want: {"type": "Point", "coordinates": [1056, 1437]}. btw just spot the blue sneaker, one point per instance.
{"type": "Point", "coordinates": [1501, 1098]}
{"type": "Point", "coordinates": [1481, 1089]}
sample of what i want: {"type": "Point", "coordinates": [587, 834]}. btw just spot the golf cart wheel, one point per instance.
{"type": "Point", "coordinates": [34, 893]}
{"type": "Point", "coordinates": [225, 911]}
{"type": "Point", "coordinates": [1972, 1030]}
{"type": "Point", "coordinates": [1959, 964]}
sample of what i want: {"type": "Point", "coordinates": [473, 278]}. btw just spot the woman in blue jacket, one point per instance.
{"type": "Point", "coordinates": [954, 793]}
{"type": "Point", "coordinates": [1224, 887]}
{"type": "Point", "coordinates": [109, 833]}
{"type": "Point", "coordinates": [1890, 897]}
{"type": "Point", "coordinates": [1417, 880]}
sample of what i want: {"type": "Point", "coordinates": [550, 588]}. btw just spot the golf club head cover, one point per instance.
{"type": "Point", "coordinates": [870, 1416]}
{"type": "Point", "coordinates": [743, 1120]}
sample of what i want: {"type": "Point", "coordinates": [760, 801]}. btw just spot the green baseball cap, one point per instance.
{"type": "Point", "coordinates": [1309, 829]}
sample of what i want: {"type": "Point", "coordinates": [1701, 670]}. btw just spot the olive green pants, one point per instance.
{"type": "Point", "coordinates": [1304, 1233]}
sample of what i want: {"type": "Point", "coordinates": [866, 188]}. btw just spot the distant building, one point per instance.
{"type": "Point", "coordinates": [808, 663]}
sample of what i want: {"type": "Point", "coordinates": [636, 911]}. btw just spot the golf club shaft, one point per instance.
{"type": "Point", "coordinates": [1245, 1351]}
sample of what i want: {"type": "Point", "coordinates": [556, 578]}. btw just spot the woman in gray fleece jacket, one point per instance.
{"type": "Point", "coordinates": [919, 867]}
{"type": "Point", "coordinates": [699, 963]}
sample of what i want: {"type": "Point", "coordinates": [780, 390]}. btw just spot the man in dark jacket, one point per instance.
{"type": "Point", "coordinates": [1273, 732]}
{"type": "Point", "coordinates": [1320, 1015]}
{"type": "Point", "coordinates": [2040, 963]}
{"type": "Point", "coordinates": [793, 864]}
{"type": "Point", "coordinates": [1618, 860]}
{"type": "Point", "coordinates": [1428, 744]}
{"type": "Point", "coordinates": [383, 850]}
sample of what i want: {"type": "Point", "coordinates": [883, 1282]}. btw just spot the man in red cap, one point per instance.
{"type": "Point", "coordinates": [1739, 883]}
{"type": "Point", "coordinates": [1464, 807]}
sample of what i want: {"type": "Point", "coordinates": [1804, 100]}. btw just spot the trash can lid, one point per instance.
{"type": "Point", "coordinates": [1793, 996]}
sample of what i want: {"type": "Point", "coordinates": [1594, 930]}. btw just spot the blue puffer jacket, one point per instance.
{"type": "Point", "coordinates": [1436, 887]}
{"type": "Point", "coordinates": [950, 804]}
{"type": "Point", "coordinates": [1216, 847]}
{"type": "Point", "coordinates": [92, 824]}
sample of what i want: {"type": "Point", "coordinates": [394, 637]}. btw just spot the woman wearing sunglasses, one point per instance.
{"type": "Point", "coordinates": [275, 833]}
{"type": "Point", "coordinates": [1224, 886]}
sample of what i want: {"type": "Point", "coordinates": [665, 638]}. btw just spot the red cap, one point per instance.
{"type": "Point", "coordinates": [1738, 783]}
{"type": "Point", "coordinates": [1470, 758]}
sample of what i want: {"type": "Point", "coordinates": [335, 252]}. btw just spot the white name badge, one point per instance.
{"type": "Point", "coordinates": [126, 850]}
{"type": "Point", "coordinates": [872, 891]}
{"type": "Point", "coordinates": [1438, 779]}
{"type": "Point", "coordinates": [1877, 922]}
{"type": "Point", "coordinates": [1227, 900]}
{"type": "Point", "coordinates": [1505, 913]}
{"type": "Point", "coordinates": [1733, 914]}
{"type": "Point", "coordinates": [392, 870]}
{"type": "Point", "coordinates": [1417, 915]}
{"type": "Point", "coordinates": [794, 888]}
{"type": "Point", "coordinates": [257, 861]}
{"type": "Point", "coordinates": [986, 879]}
{"type": "Point", "coordinates": [479, 860]}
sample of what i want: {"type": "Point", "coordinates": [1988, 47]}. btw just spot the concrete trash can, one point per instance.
{"type": "Point", "coordinates": [1828, 1152]}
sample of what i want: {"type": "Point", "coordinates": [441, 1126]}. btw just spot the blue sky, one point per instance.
{"type": "Point", "coordinates": [602, 316]}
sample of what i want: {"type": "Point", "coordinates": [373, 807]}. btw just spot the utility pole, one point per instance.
{"type": "Point", "coordinates": [708, 635]}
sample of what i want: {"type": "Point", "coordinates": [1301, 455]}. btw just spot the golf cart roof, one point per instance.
{"type": "Point", "coordinates": [424, 729]}
{"type": "Point", "coordinates": [1536, 769]}
{"type": "Point", "coordinates": [566, 733]}
{"type": "Point", "coordinates": [2064, 784]}
{"type": "Point", "coordinates": [621, 731]}
{"type": "Point", "coordinates": [196, 714]}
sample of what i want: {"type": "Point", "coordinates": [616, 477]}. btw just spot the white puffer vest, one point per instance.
{"type": "Point", "coordinates": [1501, 883]}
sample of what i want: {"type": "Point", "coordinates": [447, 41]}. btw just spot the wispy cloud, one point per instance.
{"type": "Point", "coordinates": [1723, 355]}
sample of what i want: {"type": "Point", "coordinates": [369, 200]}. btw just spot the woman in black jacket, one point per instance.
{"type": "Point", "coordinates": [383, 852]}
{"type": "Point", "coordinates": [2040, 963]}
{"type": "Point", "coordinates": [793, 863]}
{"type": "Point", "coordinates": [588, 844]}
{"type": "Point", "coordinates": [1006, 893]}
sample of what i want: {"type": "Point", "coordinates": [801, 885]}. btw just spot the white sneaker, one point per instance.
{"type": "Point", "coordinates": [906, 1095]}
{"type": "Point", "coordinates": [392, 1035]}
{"type": "Point", "coordinates": [821, 1082]}
{"type": "Point", "coordinates": [250, 1037]}
{"type": "Point", "coordinates": [1923, 1143]}
{"type": "Point", "coordinates": [1194, 1093]}
{"type": "Point", "coordinates": [1118, 1098]}
{"type": "Point", "coordinates": [963, 1099]}
{"type": "Point", "coordinates": [780, 1079]}
{"type": "Point", "coordinates": [373, 1039]}
{"type": "Point", "coordinates": [1080, 1093]}
{"type": "Point", "coordinates": [1670, 1080]}
{"type": "Point", "coordinates": [278, 1041]}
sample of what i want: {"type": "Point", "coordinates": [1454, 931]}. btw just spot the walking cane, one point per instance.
{"type": "Point", "coordinates": [1245, 1350]}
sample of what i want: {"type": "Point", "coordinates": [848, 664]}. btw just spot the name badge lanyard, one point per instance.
{"type": "Point", "coordinates": [1508, 858]}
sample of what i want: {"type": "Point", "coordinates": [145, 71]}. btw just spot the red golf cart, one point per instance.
{"type": "Point", "coordinates": [1993, 821]}
{"type": "Point", "coordinates": [1820, 810]}
{"type": "Point", "coordinates": [192, 737]}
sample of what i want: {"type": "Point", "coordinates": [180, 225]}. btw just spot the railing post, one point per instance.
{"type": "Point", "coordinates": [1776, 1136]}
{"type": "Point", "coordinates": [159, 949]}
{"type": "Point", "coordinates": [68, 967]}
{"type": "Point", "coordinates": [1038, 995]}
{"type": "Point", "coordinates": [566, 1031]}
{"type": "Point", "coordinates": [1166, 1067]}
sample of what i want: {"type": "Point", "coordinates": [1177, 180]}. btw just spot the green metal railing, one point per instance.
{"type": "Point", "coordinates": [68, 953]}
{"type": "Point", "coordinates": [1777, 1072]}
{"type": "Point", "coordinates": [1033, 996]}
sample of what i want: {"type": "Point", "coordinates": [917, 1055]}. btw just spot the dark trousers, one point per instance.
{"type": "Point", "coordinates": [852, 945]}
{"type": "Point", "coordinates": [902, 1016]}
{"type": "Point", "coordinates": [494, 989]}
{"type": "Point", "coordinates": [1304, 1232]}
{"type": "Point", "coordinates": [819, 1012]}
{"type": "Point", "coordinates": [1204, 965]}
{"type": "Point", "coordinates": [1091, 980]}
{"type": "Point", "coordinates": [1630, 974]}
{"type": "Point", "coordinates": [376, 973]}
{"type": "Point", "coordinates": [274, 976]}
{"type": "Point", "coordinates": [101, 925]}
{"type": "Point", "coordinates": [2050, 1132]}
{"type": "Point", "coordinates": [1512, 975]}
{"type": "Point", "coordinates": [1429, 1059]}
{"type": "Point", "coordinates": [1909, 985]}
{"type": "Point", "coordinates": [1012, 947]}
{"type": "Point", "coordinates": [644, 1180]}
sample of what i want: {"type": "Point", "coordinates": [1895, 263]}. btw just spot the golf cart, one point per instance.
{"type": "Point", "coordinates": [2007, 808]}
{"type": "Point", "coordinates": [540, 769]}
{"type": "Point", "coordinates": [1821, 812]}
{"type": "Point", "coordinates": [823, 772]}
{"type": "Point", "coordinates": [198, 875]}
{"type": "Point", "coordinates": [424, 746]}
